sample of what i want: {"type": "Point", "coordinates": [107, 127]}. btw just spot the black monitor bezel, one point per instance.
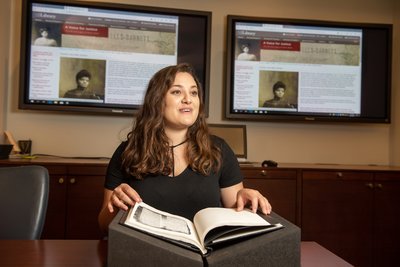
{"type": "Point", "coordinates": [23, 101]}
{"type": "Point", "coordinates": [293, 117]}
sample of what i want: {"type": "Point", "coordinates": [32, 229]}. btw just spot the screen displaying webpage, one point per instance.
{"type": "Point", "coordinates": [297, 69]}
{"type": "Point", "coordinates": [97, 56]}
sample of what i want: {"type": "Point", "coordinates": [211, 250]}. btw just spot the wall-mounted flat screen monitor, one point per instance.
{"type": "Point", "coordinates": [93, 57]}
{"type": "Point", "coordinates": [301, 70]}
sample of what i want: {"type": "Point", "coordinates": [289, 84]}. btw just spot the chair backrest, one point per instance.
{"type": "Point", "coordinates": [24, 194]}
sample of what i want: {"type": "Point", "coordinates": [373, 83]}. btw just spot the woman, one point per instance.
{"type": "Point", "coordinates": [169, 159]}
{"type": "Point", "coordinates": [44, 40]}
{"type": "Point", "coordinates": [82, 90]}
{"type": "Point", "coordinates": [279, 100]}
{"type": "Point", "coordinates": [245, 55]}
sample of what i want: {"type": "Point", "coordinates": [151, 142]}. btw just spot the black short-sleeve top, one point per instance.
{"type": "Point", "coordinates": [184, 194]}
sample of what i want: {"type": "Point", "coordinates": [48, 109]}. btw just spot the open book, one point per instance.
{"type": "Point", "coordinates": [210, 226]}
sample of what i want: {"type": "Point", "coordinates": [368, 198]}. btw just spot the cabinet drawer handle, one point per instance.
{"type": "Point", "coordinates": [379, 186]}
{"type": "Point", "coordinates": [61, 180]}
{"type": "Point", "coordinates": [369, 185]}
{"type": "Point", "coordinates": [339, 175]}
{"type": "Point", "coordinates": [264, 173]}
{"type": "Point", "coordinates": [72, 181]}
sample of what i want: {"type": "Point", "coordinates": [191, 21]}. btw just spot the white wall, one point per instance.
{"type": "Point", "coordinates": [4, 31]}
{"type": "Point", "coordinates": [395, 127]}
{"type": "Point", "coordinates": [78, 135]}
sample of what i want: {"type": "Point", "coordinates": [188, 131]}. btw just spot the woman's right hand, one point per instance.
{"type": "Point", "coordinates": [122, 197]}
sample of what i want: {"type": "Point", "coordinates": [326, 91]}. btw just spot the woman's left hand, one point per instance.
{"type": "Point", "coordinates": [254, 199]}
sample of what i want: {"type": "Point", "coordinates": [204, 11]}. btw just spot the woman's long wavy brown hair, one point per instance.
{"type": "Point", "coordinates": [148, 151]}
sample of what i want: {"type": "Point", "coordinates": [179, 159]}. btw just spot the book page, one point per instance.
{"type": "Point", "coordinates": [160, 221]}
{"type": "Point", "coordinates": [210, 218]}
{"type": "Point", "coordinates": [146, 218]}
{"type": "Point", "coordinates": [222, 234]}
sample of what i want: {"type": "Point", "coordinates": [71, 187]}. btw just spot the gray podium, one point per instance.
{"type": "Point", "coordinates": [129, 247]}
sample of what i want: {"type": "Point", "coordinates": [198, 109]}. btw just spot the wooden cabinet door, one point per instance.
{"type": "Point", "coordinates": [386, 218]}
{"type": "Point", "coordinates": [54, 226]}
{"type": "Point", "coordinates": [279, 186]}
{"type": "Point", "coordinates": [75, 197]}
{"type": "Point", "coordinates": [337, 213]}
{"type": "Point", "coordinates": [85, 196]}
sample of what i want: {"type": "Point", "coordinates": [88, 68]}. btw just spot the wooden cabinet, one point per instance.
{"type": "Point", "coordinates": [279, 185]}
{"type": "Point", "coordinates": [75, 196]}
{"type": "Point", "coordinates": [386, 218]}
{"type": "Point", "coordinates": [54, 227]}
{"type": "Point", "coordinates": [74, 203]}
{"type": "Point", "coordinates": [337, 211]}
{"type": "Point", "coordinates": [353, 213]}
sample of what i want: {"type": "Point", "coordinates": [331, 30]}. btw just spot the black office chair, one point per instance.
{"type": "Point", "coordinates": [23, 201]}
